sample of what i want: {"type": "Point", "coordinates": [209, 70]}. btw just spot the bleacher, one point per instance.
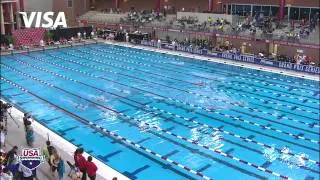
{"type": "Point", "coordinates": [102, 17]}
{"type": "Point", "coordinates": [28, 37]}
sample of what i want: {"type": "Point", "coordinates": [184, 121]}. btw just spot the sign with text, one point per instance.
{"type": "Point", "coordinates": [44, 20]}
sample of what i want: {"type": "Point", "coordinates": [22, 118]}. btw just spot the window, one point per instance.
{"type": "Point", "coordinates": [265, 10]}
{"type": "Point", "coordinates": [247, 10]}
{"type": "Point", "coordinates": [224, 9]}
{"type": "Point", "coordinates": [314, 13]}
{"type": "Point", "coordinates": [286, 12]}
{"type": "Point", "coordinates": [256, 9]}
{"type": "Point", "coordinates": [274, 10]}
{"type": "Point", "coordinates": [229, 9]}
{"type": "Point", "coordinates": [239, 10]}
{"type": "Point", "coordinates": [294, 13]}
{"type": "Point", "coordinates": [304, 13]}
{"type": "Point", "coordinates": [233, 9]}
{"type": "Point", "coordinates": [69, 3]}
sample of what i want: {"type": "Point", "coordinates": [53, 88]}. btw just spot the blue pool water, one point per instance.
{"type": "Point", "coordinates": [197, 118]}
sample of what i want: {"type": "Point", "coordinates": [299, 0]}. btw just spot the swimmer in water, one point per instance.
{"type": "Point", "coordinates": [100, 98]}
{"type": "Point", "coordinates": [80, 106]}
{"type": "Point", "coordinates": [125, 91]}
{"type": "Point", "coordinates": [201, 83]}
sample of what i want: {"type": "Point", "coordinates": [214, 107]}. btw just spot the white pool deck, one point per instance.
{"type": "Point", "coordinates": [16, 135]}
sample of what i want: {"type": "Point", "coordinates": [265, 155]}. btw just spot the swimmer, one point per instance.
{"type": "Point", "coordinates": [285, 149]}
{"type": "Point", "coordinates": [80, 106]}
{"type": "Point", "coordinates": [125, 91]}
{"type": "Point", "coordinates": [201, 83]}
{"type": "Point", "coordinates": [100, 98]}
{"type": "Point", "coordinates": [301, 159]}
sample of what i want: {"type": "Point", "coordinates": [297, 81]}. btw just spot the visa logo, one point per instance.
{"type": "Point", "coordinates": [47, 18]}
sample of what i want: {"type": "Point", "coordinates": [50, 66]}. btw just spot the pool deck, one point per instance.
{"type": "Point", "coordinates": [16, 136]}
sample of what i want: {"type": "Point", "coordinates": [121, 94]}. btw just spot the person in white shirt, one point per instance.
{"type": "Point", "coordinates": [6, 174]}
{"type": "Point", "coordinates": [2, 136]}
{"type": "Point", "coordinates": [27, 173]}
{"type": "Point", "coordinates": [159, 43]}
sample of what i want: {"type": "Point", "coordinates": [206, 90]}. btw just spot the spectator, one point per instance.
{"type": "Point", "coordinates": [26, 173]}
{"type": "Point", "coordinates": [2, 156]}
{"type": "Point", "coordinates": [75, 154]}
{"type": "Point", "coordinates": [2, 136]}
{"type": "Point", "coordinates": [55, 159]}
{"type": "Point", "coordinates": [81, 163]}
{"type": "Point", "coordinates": [11, 160]}
{"type": "Point", "coordinates": [77, 175]}
{"type": "Point", "coordinates": [61, 169]}
{"type": "Point", "coordinates": [26, 120]}
{"type": "Point", "coordinates": [6, 174]}
{"type": "Point", "coordinates": [91, 168]}
{"type": "Point", "coordinates": [29, 134]}
{"type": "Point", "coordinates": [47, 152]}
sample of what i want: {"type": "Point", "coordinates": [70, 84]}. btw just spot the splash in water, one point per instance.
{"type": "Point", "coordinates": [207, 137]}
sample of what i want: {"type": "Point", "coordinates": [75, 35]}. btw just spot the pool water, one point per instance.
{"type": "Point", "coordinates": [158, 116]}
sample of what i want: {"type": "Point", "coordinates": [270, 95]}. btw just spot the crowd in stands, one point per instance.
{"type": "Point", "coordinates": [142, 17]}
{"type": "Point", "coordinates": [192, 23]}
{"type": "Point", "coordinates": [12, 169]}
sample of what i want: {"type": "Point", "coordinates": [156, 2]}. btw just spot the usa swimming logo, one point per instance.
{"type": "Point", "coordinates": [31, 158]}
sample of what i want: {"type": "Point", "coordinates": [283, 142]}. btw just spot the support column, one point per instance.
{"type": "Point", "coordinates": [158, 6]}
{"type": "Point", "coordinates": [3, 31]}
{"type": "Point", "coordinates": [281, 8]}
{"type": "Point", "coordinates": [210, 5]}
{"type": "Point", "coordinates": [21, 4]}
{"type": "Point", "coordinates": [117, 4]}
{"type": "Point", "coordinates": [11, 17]}
{"type": "Point", "coordinates": [18, 16]}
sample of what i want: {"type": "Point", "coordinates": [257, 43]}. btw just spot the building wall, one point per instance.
{"type": "Point", "coordinates": [308, 3]}
{"type": "Point", "coordinates": [62, 5]}
{"type": "Point", "coordinates": [38, 5]}
{"type": "Point", "coordinates": [78, 8]}
{"type": "Point", "coordinates": [137, 4]}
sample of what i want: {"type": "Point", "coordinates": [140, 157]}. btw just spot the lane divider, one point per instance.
{"type": "Point", "coordinates": [169, 113]}
{"type": "Point", "coordinates": [114, 135]}
{"type": "Point", "coordinates": [144, 80]}
{"type": "Point", "coordinates": [199, 107]}
{"type": "Point", "coordinates": [272, 102]}
{"type": "Point", "coordinates": [189, 74]}
{"type": "Point", "coordinates": [193, 64]}
{"type": "Point", "coordinates": [283, 117]}
{"type": "Point", "coordinates": [130, 69]}
{"type": "Point", "coordinates": [190, 92]}
{"type": "Point", "coordinates": [178, 101]}
{"type": "Point", "coordinates": [157, 128]}
{"type": "Point", "coordinates": [146, 52]}
{"type": "Point", "coordinates": [268, 113]}
{"type": "Point", "coordinates": [234, 83]}
{"type": "Point", "coordinates": [267, 84]}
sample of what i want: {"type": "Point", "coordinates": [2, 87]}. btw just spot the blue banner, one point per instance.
{"type": "Point", "coordinates": [238, 57]}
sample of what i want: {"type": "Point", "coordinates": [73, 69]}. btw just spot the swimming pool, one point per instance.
{"type": "Point", "coordinates": [159, 116]}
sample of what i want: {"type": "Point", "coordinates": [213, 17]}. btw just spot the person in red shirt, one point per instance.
{"type": "Point", "coordinates": [81, 163]}
{"type": "Point", "coordinates": [91, 169]}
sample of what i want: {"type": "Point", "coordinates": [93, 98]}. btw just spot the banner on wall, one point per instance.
{"type": "Point", "coordinates": [237, 57]}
